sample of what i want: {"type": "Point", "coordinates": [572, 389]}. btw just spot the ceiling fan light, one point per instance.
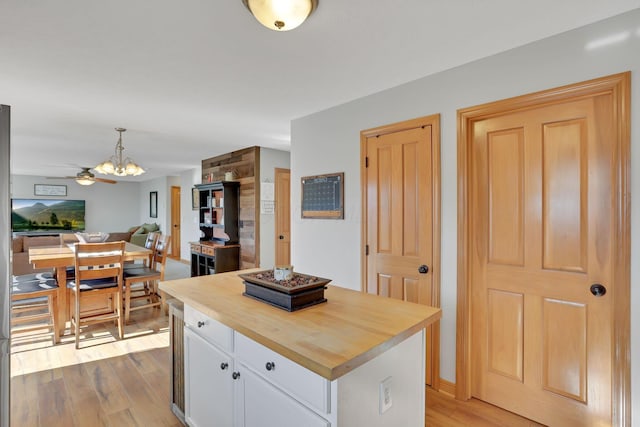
{"type": "Point", "coordinates": [85, 181]}
{"type": "Point", "coordinates": [281, 15]}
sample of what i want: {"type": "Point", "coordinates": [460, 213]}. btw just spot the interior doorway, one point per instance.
{"type": "Point", "coordinates": [543, 270]}
{"type": "Point", "coordinates": [175, 221]}
{"type": "Point", "coordinates": [400, 176]}
{"type": "Point", "coordinates": [283, 216]}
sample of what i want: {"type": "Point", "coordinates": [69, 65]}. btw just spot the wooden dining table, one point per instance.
{"type": "Point", "coordinates": [62, 256]}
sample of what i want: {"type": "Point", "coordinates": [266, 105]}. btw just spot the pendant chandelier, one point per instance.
{"type": "Point", "coordinates": [281, 15]}
{"type": "Point", "coordinates": [118, 166]}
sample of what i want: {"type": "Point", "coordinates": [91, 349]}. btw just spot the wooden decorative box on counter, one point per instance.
{"type": "Point", "coordinates": [298, 292]}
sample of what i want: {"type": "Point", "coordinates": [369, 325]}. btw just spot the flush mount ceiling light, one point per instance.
{"type": "Point", "coordinates": [281, 15]}
{"type": "Point", "coordinates": [115, 165]}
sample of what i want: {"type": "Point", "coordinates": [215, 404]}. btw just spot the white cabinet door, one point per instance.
{"type": "Point", "coordinates": [266, 406]}
{"type": "Point", "coordinates": [208, 383]}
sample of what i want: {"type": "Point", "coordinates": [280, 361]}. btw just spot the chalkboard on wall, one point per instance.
{"type": "Point", "coordinates": [323, 196]}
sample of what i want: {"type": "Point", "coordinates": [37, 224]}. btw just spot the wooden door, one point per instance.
{"type": "Point", "coordinates": [283, 216]}
{"type": "Point", "coordinates": [401, 213]}
{"type": "Point", "coordinates": [175, 222]}
{"type": "Point", "coordinates": [542, 201]}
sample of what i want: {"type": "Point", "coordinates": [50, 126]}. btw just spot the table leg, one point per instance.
{"type": "Point", "coordinates": [63, 298]}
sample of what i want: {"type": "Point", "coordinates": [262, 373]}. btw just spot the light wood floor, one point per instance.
{"type": "Point", "coordinates": [108, 382]}
{"type": "Point", "coordinates": [445, 411]}
{"type": "Point", "coordinates": [126, 383]}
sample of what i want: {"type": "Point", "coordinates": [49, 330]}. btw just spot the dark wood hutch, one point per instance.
{"type": "Point", "coordinates": [218, 211]}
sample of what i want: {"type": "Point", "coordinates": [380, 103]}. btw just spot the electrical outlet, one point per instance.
{"type": "Point", "coordinates": [385, 395]}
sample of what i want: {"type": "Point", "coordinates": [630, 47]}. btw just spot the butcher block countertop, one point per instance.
{"type": "Point", "coordinates": [330, 339]}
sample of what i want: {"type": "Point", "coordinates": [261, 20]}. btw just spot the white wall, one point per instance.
{"type": "Point", "coordinates": [190, 230]}
{"type": "Point", "coordinates": [269, 160]}
{"type": "Point", "coordinates": [108, 207]}
{"type": "Point", "coordinates": [328, 141]}
{"type": "Point", "coordinates": [161, 186]}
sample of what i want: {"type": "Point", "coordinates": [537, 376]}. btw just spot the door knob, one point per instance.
{"type": "Point", "coordinates": [598, 290]}
{"type": "Point", "coordinates": [423, 269]}
{"type": "Point", "coordinates": [281, 237]}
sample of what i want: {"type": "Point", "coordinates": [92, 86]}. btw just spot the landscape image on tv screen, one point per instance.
{"type": "Point", "coordinates": [47, 215]}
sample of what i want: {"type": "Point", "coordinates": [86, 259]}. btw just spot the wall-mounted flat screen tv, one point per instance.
{"type": "Point", "coordinates": [47, 215]}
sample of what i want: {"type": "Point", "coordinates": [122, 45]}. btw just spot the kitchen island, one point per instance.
{"type": "Point", "coordinates": [357, 359]}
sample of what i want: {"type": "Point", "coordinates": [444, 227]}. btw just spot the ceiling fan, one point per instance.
{"type": "Point", "coordinates": [85, 177]}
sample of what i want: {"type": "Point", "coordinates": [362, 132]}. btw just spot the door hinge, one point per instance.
{"type": "Point", "coordinates": [366, 249]}
{"type": "Point", "coordinates": [366, 162]}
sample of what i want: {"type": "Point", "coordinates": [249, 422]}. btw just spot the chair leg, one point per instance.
{"type": "Point", "coordinates": [127, 302]}
{"type": "Point", "coordinates": [153, 291]}
{"type": "Point", "coordinates": [163, 302]}
{"type": "Point", "coordinates": [77, 318]}
{"type": "Point", "coordinates": [53, 310]}
{"type": "Point", "coordinates": [77, 334]}
{"type": "Point", "coordinates": [72, 326]}
{"type": "Point", "coordinates": [120, 316]}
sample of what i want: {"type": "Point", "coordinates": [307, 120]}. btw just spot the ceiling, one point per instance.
{"type": "Point", "coordinates": [194, 79]}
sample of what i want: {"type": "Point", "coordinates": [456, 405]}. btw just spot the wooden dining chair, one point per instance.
{"type": "Point", "coordinates": [149, 243]}
{"type": "Point", "coordinates": [142, 283]}
{"type": "Point", "coordinates": [98, 271]}
{"type": "Point", "coordinates": [34, 297]}
{"type": "Point", "coordinates": [68, 239]}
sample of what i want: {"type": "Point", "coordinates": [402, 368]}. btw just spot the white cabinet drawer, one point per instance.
{"type": "Point", "coordinates": [304, 385]}
{"type": "Point", "coordinates": [209, 329]}
{"type": "Point", "coordinates": [265, 405]}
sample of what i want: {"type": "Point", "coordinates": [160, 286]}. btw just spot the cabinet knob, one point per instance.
{"type": "Point", "coordinates": [281, 237]}
{"type": "Point", "coordinates": [270, 366]}
{"type": "Point", "coordinates": [200, 323]}
{"type": "Point", "coordinates": [235, 375]}
{"type": "Point", "coordinates": [224, 365]}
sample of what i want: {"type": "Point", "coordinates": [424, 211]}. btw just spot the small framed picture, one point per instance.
{"type": "Point", "coordinates": [153, 204]}
{"type": "Point", "coordinates": [49, 190]}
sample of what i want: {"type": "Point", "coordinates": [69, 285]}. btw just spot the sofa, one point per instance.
{"type": "Point", "coordinates": [20, 249]}
{"type": "Point", "coordinates": [139, 233]}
